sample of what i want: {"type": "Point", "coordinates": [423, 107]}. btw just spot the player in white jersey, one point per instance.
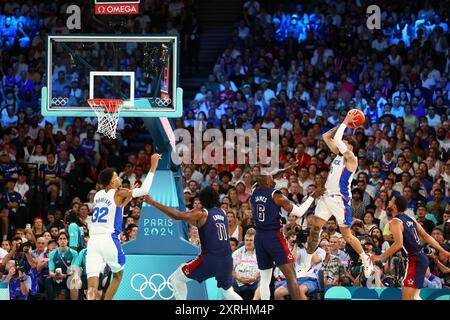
{"type": "Point", "coordinates": [104, 245]}
{"type": "Point", "coordinates": [337, 198]}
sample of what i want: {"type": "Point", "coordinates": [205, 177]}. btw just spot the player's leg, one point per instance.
{"type": "Point", "coordinates": [265, 265]}
{"type": "Point", "coordinates": [92, 288]}
{"type": "Point", "coordinates": [343, 215]}
{"type": "Point", "coordinates": [115, 259]}
{"type": "Point", "coordinates": [224, 277]}
{"type": "Point", "coordinates": [114, 285]}
{"type": "Point", "coordinates": [94, 261]}
{"type": "Point", "coordinates": [264, 286]}
{"type": "Point", "coordinates": [356, 245]}
{"type": "Point", "coordinates": [291, 280]}
{"type": "Point", "coordinates": [198, 269]}
{"type": "Point", "coordinates": [179, 282]}
{"type": "Point", "coordinates": [409, 293]}
{"type": "Point", "coordinates": [321, 216]}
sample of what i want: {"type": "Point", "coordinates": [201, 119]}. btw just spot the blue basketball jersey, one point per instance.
{"type": "Point", "coordinates": [265, 212]}
{"type": "Point", "coordinates": [214, 233]}
{"type": "Point", "coordinates": [411, 241]}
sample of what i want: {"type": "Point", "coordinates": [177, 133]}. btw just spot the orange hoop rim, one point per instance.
{"type": "Point", "coordinates": [110, 104]}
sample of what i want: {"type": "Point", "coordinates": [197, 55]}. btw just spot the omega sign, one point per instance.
{"type": "Point", "coordinates": [117, 8]}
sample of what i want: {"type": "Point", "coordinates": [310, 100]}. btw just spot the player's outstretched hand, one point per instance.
{"type": "Point", "coordinates": [148, 199]}
{"type": "Point", "coordinates": [318, 193]}
{"type": "Point", "coordinates": [154, 160]}
{"type": "Point", "coordinates": [292, 168]}
{"type": "Point", "coordinates": [348, 118]}
{"type": "Point", "coordinates": [446, 254]}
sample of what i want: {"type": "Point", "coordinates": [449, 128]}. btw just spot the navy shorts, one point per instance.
{"type": "Point", "coordinates": [270, 247]}
{"type": "Point", "coordinates": [416, 266]}
{"type": "Point", "coordinates": [207, 266]}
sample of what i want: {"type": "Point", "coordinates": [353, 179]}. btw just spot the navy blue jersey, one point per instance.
{"type": "Point", "coordinates": [265, 212]}
{"type": "Point", "coordinates": [214, 233]}
{"type": "Point", "coordinates": [411, 241]}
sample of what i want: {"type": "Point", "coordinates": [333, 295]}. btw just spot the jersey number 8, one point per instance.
{"type": "Point", "coordinates": [99, 214]}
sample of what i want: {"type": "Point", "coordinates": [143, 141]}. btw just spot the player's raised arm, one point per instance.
{"type": "Point", "coordinates": [145, 187]}
{"type": "Point", "coordinates": [193, 217]}
{"type": "Point", "coordinates": [290, 169]}
{"type": "Point", "coordinates": [328, 139]}
{"type": "Point", "coordinates": [298, 211]}
{"type": "Point", "coordinates": [430, 240]}
{"type": "Point", "coordinates": [352, 163]}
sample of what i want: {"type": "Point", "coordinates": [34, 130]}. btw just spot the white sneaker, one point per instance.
{"type": "Point", "coordinates": [367, 267]}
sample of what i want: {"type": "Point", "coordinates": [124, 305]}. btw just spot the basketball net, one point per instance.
{"type": "Point", "coordinates": [107, 112]}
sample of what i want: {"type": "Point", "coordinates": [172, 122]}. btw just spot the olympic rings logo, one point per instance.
{"type": "Point", "coordinates": [163, 102]}
{"type": "Point", "coordinates": [60, 101]}
{"type": "Point", "coordinates": [148, 289]}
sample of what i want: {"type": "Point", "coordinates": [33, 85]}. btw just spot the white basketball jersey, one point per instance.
{"type": "Point", "coordinates": [107, 217]}
{"type": "Point", "coordinates": [339, 178]}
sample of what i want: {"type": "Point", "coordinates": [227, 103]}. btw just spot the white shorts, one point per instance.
{"type": "Point", "coordinates": [103, 249]}
{"type": "Point", "coordinates": [337, 206]}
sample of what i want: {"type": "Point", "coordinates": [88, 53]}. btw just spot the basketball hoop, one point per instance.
{"type": "Point", "coordinates": [107, 112]}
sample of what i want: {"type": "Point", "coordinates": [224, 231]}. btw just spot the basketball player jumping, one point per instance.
{"type": "Point", "coordinates": [270, 244]}
{"type": "Point", "coordinates": [407, 234]}
{"type": "Point", "coordinates": [215, 260]}
{"type": "Point", "coordinates": [336, 200]}
{"type": "Point", "coordinates": [104, 245]}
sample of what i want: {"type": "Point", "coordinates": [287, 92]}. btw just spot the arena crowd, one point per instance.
{"type": "Point", "coordinates": [294, 67]}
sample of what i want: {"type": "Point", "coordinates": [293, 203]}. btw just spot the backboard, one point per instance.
{"type": "Point", "coordinates": [141, 70]}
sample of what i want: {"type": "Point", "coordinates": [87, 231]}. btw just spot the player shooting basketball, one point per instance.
{"type": "Point", "coordinates": [337, 200]}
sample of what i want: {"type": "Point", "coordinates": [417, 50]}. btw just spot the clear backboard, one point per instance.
{"type": "Point", "coordinates": [140, 70]}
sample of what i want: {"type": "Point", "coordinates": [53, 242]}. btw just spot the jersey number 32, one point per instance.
{"type": "Point", "coordinates": [99, 215]}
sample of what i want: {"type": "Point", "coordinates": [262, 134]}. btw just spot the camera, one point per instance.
{"type": "Point", "coordinates": [302, 236]}
{"type": "Point", "coordinates": [19, 247]}
{"type": "Point", "coordinates": [429, 250]}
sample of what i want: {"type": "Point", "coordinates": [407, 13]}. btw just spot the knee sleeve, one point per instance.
{"type": "Point", "coordinates": [266, 276]}
{"type": "Point", "coordinates": [178, 280]}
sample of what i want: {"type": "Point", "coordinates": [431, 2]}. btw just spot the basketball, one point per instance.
{"type": "Point", "coordinates": [358, 118]}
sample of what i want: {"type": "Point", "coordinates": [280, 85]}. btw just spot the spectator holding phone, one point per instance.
{"type": "Point", "coordinates": [59, 269]}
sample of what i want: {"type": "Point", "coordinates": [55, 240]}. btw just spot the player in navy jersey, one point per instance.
{"type": "Point", "coordinates": [270, 244]}
{"type": "Point", "coordinates": [337, 198]}
{"type": "Point", "coordinates": [407, 234]}
{"type": "Point", "coordinates": [215, 260]}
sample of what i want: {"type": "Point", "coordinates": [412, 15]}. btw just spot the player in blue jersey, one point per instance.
{"type": "Point", "coordinates": [104, 244]}
{"type": "Point", "coordinates": [407, 234]}
{"type": "Point", "coordinates": [337, 198]}
{"type": "Point", "coordinates": [270, 244]}
{"type": "Point", "coordinates": [215, 260]}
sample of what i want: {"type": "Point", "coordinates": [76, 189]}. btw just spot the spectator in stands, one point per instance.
{"type": "Point", "coordinates": [59, 264]}
{"type": "Point", "coordinates": [245, 269]}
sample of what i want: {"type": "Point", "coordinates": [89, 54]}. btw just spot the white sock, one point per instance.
{"type": "Point", "coordinates": [264, 284]}
{"type": "Point", "coordinates": [230, 294]}
{"type": "Point", "coordinates": [179, 280]}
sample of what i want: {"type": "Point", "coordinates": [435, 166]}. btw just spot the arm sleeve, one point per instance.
{"type": "Point", "coordinates": [145, 188]}
{"type": "Point", "coordinates": [51, 263]}
{"type": "Point", "coordinates": [338, 139]}
{"type": "Point", "coordinates": [73, 235]}
{"type": "Point", "coordinates": [299, 211]}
